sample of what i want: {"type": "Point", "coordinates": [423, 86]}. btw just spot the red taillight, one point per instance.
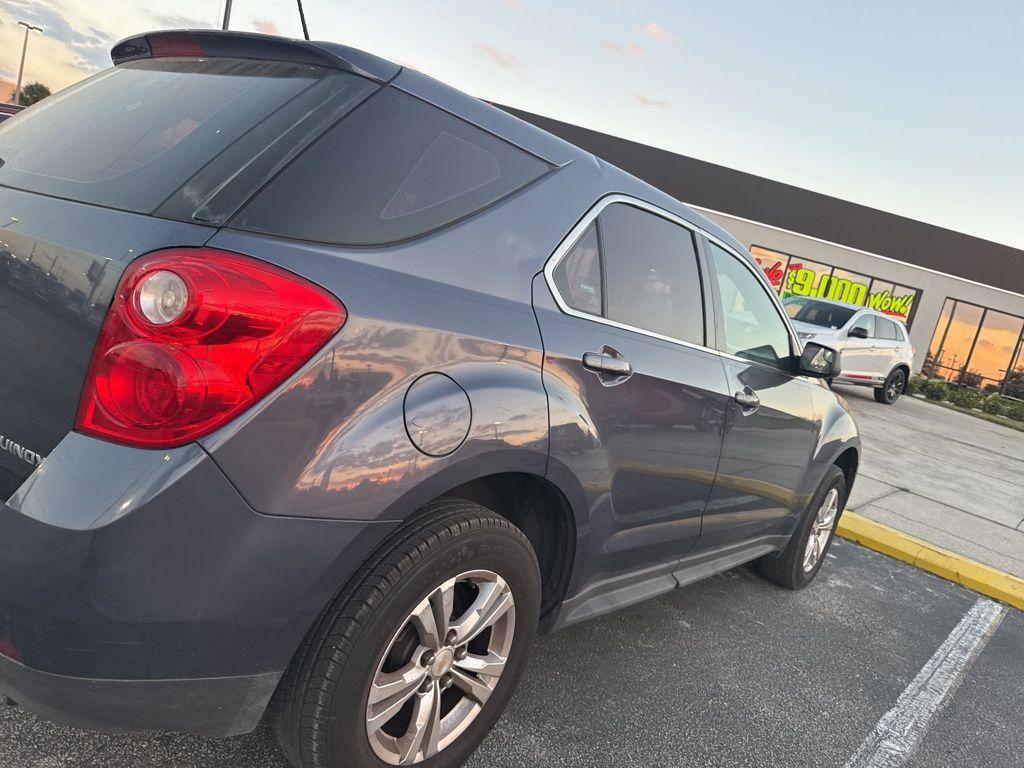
{"type": "Point", "coordinates": [193, 338]}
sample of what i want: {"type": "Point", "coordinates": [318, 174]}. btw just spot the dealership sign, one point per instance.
{"type": "Point", "coordinates": [799, 279]}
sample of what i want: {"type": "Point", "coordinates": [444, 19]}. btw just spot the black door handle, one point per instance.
{"type": "Point", "coordinates": [747, 400]}
{"type": "Point", "coordinates": [602, 363]}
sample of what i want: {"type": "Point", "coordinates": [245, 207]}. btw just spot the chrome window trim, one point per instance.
{"type": "Point", "coordinates": [574, 235]}
{"type": "Point", "coordinates": [569, 242]}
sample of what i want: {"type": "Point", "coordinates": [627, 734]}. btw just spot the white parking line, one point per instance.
{"type": "Point", "coordinates": [901, 729]}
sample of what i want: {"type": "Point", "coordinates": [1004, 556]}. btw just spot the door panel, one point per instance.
{"type": "Point", "coordinates": [886, 347]}
{"type": "Point", "coordinates": [764, 456]}
{"type": "Point", "coordinates": [859, 360]}
{"type": "Point", "coordinates": [645, 449]}
{"type": "Point", "coordinates": [637, 402]}
{"type": "Point", "coordinates": [770, 428]}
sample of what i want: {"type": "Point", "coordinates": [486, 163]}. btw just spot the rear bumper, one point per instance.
{"type": "Point", "coordinates": [226, 706]}
{"type": "Point", "coordinates": [139, 590]}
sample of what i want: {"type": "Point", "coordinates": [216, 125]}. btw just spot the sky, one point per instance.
{"type": "Point", "coordinates": [915, 107]}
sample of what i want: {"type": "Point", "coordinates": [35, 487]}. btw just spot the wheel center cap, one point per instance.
{"type": "Point", "coordinates": [442, 662]}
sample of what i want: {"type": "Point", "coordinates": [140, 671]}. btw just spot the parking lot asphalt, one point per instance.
{"type": "Point", "coordinates": [948, 478]}
{"type": "Point", "coordinates": [730, 671]}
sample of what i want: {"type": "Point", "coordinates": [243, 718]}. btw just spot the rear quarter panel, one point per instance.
{"type": "Point", "coordinates": [333, 441]}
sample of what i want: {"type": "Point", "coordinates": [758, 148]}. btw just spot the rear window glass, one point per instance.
{"type": "Point", "coordinates": [820, 313]}
{"type": "Point", "coordinates": [130, 136]}
{"type": "Point", "coordinates": [395, 168]}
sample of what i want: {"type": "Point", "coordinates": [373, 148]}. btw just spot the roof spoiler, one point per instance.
{"type": "Point", "coordinates": [213, 43]}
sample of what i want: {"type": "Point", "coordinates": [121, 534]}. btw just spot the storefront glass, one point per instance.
{"type": "Point", "coordinates": [773, 264]}
{"type": "Point", "coordinates": [806, 278]}
{"type": "Point", "coordinates": [993, 350]}
{"type": "Point", "coordinates": [1014, 385]}
{"type": "Point", "coordinates": [794, 276]}
{"type": "Point", "coordinates": [951, 358]}
{"type": "Point", "coordinates": [931, 361]}
{"type": "Point", "coordinates": [974, 347]}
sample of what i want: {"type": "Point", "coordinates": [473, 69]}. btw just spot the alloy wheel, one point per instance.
{"type": "Point", "coordinates": [895, 386]}
{"type": "Point", "coordinates": [821, 530]}
{"type": "Point", "coordinates": [440, 668]}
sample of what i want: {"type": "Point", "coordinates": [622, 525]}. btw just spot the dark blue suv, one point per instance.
{"type": "Point", "coordinates": [325, 387]}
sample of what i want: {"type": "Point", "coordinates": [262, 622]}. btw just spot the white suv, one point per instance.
{"type": "Point", "coordinates": [876, 349]}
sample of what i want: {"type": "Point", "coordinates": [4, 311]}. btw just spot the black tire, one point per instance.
{"type": "Point", "coordinates": [319, 710]}
{"type": "Point", "coordinates": [786, 568]}
{"type": "Point", "coordinates": [890, 391]}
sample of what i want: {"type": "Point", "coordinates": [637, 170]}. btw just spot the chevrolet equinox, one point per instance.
{"type": "Point", "coordinates": [327, 387]}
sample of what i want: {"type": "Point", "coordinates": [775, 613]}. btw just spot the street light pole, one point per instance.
{"type": "Point", "coordinates": [227, 14]}
{"type": "Point", "coordinates": [24, 49]}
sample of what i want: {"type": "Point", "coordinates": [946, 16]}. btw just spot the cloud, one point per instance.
{"type": "Point", "coordinates": [503, 59]}
{"type": "Point", "coordinates": [78, 34]}
{"type": "Point", "coordinates": [175, 21]}
{"type": "Point", "coordinates": [629, 49]}
{"type": "Point", "coordinates": [646, 101]}
{"type": "Point", "coordinates": [657, 32]}
{"type": "Point", "coordinates": [89, 47]}
{"type": "Point", "coordinates": [266, 26]}
{"type": "Point", "coordinates": [512, 5]}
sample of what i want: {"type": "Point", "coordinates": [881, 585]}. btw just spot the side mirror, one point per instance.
{"type": "Point", "coordinates": [858, 333]}
{"type": "Point", "coordinates": [819, 362]}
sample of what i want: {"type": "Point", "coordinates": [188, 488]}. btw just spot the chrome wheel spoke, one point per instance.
{"type": "Point", "coordinates": [431, 616]}
{"type": "Point", "coordinates": [821, 530]}
{"type": "Point", "coordinates": [491, 665]}
{"type": "Point", "coordinates": [471, 686]}
{"type": "Point", "coordinates": [491, 604]}
{"type": "Point", "coordinates": [439, 670]}
{"type": "Point", "coordinates": [809, 553]}
{"type": "Point", "coordinates": [421, 740]}
{"type": "Point", "coordinates": [389, 692]}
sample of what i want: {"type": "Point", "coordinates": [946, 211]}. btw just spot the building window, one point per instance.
{"type": "Point", "coordinates": [977, 347]}
{"type": "Point", "coordinates": [794, 276]}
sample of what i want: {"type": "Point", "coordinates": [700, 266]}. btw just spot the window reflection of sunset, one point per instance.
{"type": "Point", "coordinates": [993, 345]}
{"type": "Point", "coordinates": [957, 345]}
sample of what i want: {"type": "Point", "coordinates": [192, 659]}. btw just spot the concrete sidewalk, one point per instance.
{"type": "Point", "coordinates": [947, 478]}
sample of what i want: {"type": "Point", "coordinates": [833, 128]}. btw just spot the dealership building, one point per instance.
{"type": "Point", "coordinates": [961, 297]}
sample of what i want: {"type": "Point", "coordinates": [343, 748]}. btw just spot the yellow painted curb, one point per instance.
{"type": "Point", "coordinates": [949, 565]}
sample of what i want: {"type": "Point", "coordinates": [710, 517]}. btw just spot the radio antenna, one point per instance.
{"type": "Point", "coordinates": [302, 18]}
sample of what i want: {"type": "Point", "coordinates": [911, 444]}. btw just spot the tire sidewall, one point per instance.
{"type": "Point", "coordinates": [493, 549]}
{"type": "Point", "coordinates": [888, 384]}
{"type": "Point", "coordinates": [833, 479]}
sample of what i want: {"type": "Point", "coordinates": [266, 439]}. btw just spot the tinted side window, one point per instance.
{"type": "Point", "coordinates": [885, 329]}
{"type": "Point", "coordinates": [578, 275]}
{"type": "Point", "coordinates": [754, 329]}
{"type": "Point", "coordinates": [653, 281]}
{"type": "Point", "coordinates": [395, 168]}
{"type": "Point", "coordinates": [867, 322]}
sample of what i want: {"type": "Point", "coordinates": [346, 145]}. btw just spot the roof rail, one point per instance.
{"type": "Point", "coordinates": [214, 43]}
